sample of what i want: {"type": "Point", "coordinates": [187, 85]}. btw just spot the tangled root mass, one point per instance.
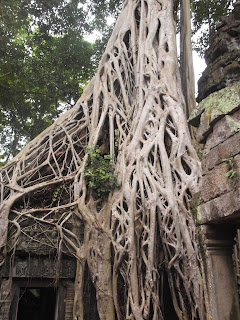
{"type": "Point", "coordinates": [142, 230]}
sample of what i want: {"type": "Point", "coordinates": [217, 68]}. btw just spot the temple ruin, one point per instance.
{"type": "Point", "coordinates": [66, 251]}
{"type": "Point", "coordinates": [217, 210]}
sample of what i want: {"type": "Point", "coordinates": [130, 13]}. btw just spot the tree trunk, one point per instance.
{"type": "Point", "coordinates": [143, 227]}
{"type": "Point", "coordinates": [187, 71]}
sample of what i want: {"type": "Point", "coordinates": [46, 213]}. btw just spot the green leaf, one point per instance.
{"type": "Point", "coordinates": [227, 160]}
{"type": "Point", "coordinates": [102, 179]}
{"type": "Point", "coordinates": [229, 173]}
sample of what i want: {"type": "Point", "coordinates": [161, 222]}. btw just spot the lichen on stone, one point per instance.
{"type": "Point", "coordinates": [233, 124]}
{"type": "Point", "coordinates": [196, 212]}
{"type": "Point", "coordinates": [218, 103]}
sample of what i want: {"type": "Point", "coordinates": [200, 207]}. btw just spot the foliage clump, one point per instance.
{"type": "Point", "coordinates": [231, 172]}
{"type": "Point", "coordinates": [99, 174]}
{"type": "Point", "coordinates": [207, 13]}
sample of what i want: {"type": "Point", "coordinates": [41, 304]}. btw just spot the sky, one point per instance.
{"type": "Point", "coordinates": [199, 66]}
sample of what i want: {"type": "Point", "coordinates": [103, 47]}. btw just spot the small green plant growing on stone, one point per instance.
{"type": "Point", "coordinates": [99, 174]}
{"type": "Point", "coordinates": [231, 172]}
{"type": "Point", "coordinates": [199, 149]}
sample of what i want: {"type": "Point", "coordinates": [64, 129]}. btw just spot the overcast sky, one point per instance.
{"type": "Point", "coordinates": [199, 66]}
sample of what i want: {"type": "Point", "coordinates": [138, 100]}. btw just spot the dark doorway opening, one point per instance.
{"type": "Point", "coordinates": [36, 304]}
{"type": "Point", "coordinates": [169, 311]}
{"type": "Point", "coordinates": [90, 300]}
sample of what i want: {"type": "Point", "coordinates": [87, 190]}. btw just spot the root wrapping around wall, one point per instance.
{"type": "Point", "coordinates": [132, 237]}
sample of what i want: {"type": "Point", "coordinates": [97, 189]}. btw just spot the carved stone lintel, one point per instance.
{"type": "Point", "coordinates": [40, 267]}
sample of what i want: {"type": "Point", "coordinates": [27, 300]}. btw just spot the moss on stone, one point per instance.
{"type": "Point", "coordinates": [196, 212]}
{"type": "Point", "coordinates": [233, 124]}
{"type": "Point", "coordinates": [218, 103]}
{"type": "Point", "coordinates": [222, 101]}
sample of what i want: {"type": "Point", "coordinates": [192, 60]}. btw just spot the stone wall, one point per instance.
{"type": "Point", "coordinates": [218, 121]}
{"type": "Point", "coordinates": [35, 264]}
{"type": "Point", "coordinates": [217, 211]}
{"type": "Point", "coordinates": [217, 207]}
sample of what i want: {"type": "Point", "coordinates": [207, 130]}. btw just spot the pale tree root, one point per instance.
{"type": "Point", "coordinates": [132, 109]}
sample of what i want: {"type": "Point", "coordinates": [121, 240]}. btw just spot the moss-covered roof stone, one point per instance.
{"type": "Point", "coordinates": [213, 108]}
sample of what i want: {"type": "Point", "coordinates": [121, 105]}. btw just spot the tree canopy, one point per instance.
{"type": "Point", "coordinates": [205, 16]}
{"type": "Point", "coordinates": [45, 61]}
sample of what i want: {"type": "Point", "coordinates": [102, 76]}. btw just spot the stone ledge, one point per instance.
{"type": "Point", "coordinates": [225, 207]}
{"type": "Point", "coordinates": [214, 108]}
{"type": "Point", "coordinates": [227, 149]}
{"type": "Point", "coordinates": [216, 183]}
{"type": "Point", "coordinates": [222, 72]}
{"type": "Point", "coordinates": [223, 130]}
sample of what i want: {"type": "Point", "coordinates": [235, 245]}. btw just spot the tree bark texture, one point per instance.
{"type": "Point", "coordinates": [186, 60]}
{"type": "Point", "coordinates": [134, 106]}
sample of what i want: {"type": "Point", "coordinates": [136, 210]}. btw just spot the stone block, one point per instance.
{"type": "Point", "coordinates": [204, 130]}
{"type": "Point", "coordinates": [215, 183]}
{"type": "Point", "coordinates": [216, 106]}
{"type": "Point", "coordinates": [227, 149]}
{"type": "Point", "coordinates": [224, 129]}
{"type": "Point", "coordinates": [222, 72]}
{"type": "Point", "coordinates": [225, 207]}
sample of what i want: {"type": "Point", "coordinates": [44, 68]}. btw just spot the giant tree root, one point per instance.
{"type": "Point", "coordinates": [143, 229]}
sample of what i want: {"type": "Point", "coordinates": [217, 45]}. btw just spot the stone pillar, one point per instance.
{"type": "Point", "coordinates": [5, 299]}
{"type": "Point", "coordinates": [222, 299]}
{"type": "Point", "coordinates": [9, 295]}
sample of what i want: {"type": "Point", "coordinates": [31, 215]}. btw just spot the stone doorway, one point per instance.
{"type": "Point", "coordinates": [36, 299]}
{"type": "Point", "coordinates": [37, 303]}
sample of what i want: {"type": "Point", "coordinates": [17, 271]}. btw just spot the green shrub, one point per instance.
{"type": "Point", "coordinates": [99, 174]}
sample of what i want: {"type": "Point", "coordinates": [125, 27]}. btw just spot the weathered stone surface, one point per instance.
{"type": "Point", "coordinates": [214, 108]}
{"type": "Point", "coordinates": [227, 149]}
{"type": "Point", "coordinates": [223, 129]}
{"type": "Point", "coordinates": [195, 116]}
{"type": "Point", "coordinates": [39, 238]}
{"type": "Point", "coordinates": [218, 118]}
{"type": "Point", "coordinates": [39, 267]}
{"type": "Point", "coordinates": [225, 206]}
{"type": "Point", "coordinates": [223, 72]}
{"type": "Point", "coordinates": [215, 183]}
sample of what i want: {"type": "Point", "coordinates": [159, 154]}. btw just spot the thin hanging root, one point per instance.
{"type": "Point", "coordinates": [132, 109]}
